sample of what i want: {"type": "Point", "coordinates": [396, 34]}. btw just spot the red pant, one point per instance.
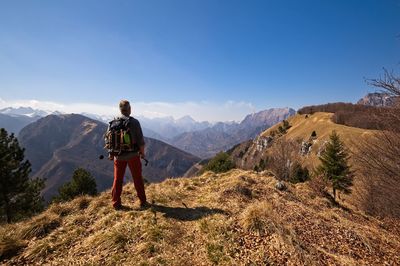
{"type": "Point", "coordinates": [119, 171]}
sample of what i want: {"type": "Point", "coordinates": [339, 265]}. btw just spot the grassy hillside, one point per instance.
{"type": "Point", "coordinates": [249, 154]}
{"type": "Point", "coordinates": [236, 218]}
{"type": "Point", "coordinates": [303, 125]}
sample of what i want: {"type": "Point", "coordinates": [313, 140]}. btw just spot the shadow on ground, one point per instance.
{"type": "Point", "coordinates": [185, 213]}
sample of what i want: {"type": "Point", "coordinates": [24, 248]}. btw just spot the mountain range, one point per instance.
{"type": "Point", "coordinates": [14, 119]}
{"type": "Point", "coordinates": [245, 216]}
{"type": "Point", "coordinates": [58, 144]}
{"type": "Point", "coordinates": [222, 136]}
{"type": "Point", "coordinates": [25, 111]}
{"type": "Point", "coordinates": [203, 139]}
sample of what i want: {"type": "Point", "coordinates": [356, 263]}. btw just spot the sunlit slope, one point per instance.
{"type": "Point", "coordinates": [236, 218]}
{"type": "Point", "coordinates": [302, 127]}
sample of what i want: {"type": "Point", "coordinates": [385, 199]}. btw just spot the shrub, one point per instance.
{"type": "Point", "coordinates": [262, 164]}
{"type": "Point", "coordinates": [283, 155]}
{"type": "Point", "coordinates": [256, 169]}
{"type": "Point", "coordinates": [257, 217]}
{"type": "Point", "coordinates": [282, 129]}
{"type": "Point", "coordinates": [314, 134]}
{"type": "Point", "coordinates": [298, 173]}
{"type": "Point", "coordinates": [286, 124]}
{"type": "Point", "coordinates": [82, 183]}
{"type": "Point", "coordinates": [221, 163]}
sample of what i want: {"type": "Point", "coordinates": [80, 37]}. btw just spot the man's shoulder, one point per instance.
{"type": "Point", "coordinates": [133, 120]}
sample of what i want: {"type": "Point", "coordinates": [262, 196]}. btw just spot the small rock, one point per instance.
{"type": "Point", "coordinates": [280, 185]}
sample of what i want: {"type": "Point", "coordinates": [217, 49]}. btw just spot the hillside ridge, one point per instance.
{"type": "Point", "coordinates": [248, 154]}
{"type": "Point", "coordinates": [235, 218]}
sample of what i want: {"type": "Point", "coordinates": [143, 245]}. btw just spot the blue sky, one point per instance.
{"type": "Point", "coordinates": [227, 57]}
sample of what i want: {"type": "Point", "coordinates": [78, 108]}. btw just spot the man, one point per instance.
{"type": "Point", "coordinates": [131, 159]}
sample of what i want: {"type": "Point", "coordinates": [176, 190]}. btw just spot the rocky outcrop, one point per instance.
{"type": "Point", "coordinates": [378, 99]}
{"type": "Point", "coordinates": [261, 142]}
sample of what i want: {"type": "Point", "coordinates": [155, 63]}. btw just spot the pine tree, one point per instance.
{"type": "Point", "coordinates": [19, 195]}
{"type": "Point", "coordinates": [334, 165]}
{"type": "Point", "coordinates": [314, 134]}
{"type": "Point", "coordinates": [82, 183]}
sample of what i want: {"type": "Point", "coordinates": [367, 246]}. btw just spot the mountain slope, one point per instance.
{"type": "Point", "coordinates": [14, 123]}
{"type": "Point", "coordinates": [236, 218]}
{"type": "Point", "coordinates": [168, 127]}
{"type": "Point", "coordinates": [57, 145]}
{"type": "Point", "coordinates": [222, 136]}
{"type": "Point", "coordinates": [249, 154]}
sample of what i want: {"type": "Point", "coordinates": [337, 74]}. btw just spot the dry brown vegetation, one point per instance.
{"type": "Point", "coordinates": [284, 157]}
{"type": "Point", "coordinates": [379, 158]}
{"type": "Point", "coordinates": [235, 218]}
{"type": "Point", "coordinates": [352, 115]}
{"type": "Point", "coordinates": [321, 123]}
{"type": "Point", "coordinates": [379, 174]}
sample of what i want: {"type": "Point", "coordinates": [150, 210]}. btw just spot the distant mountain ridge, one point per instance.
{"type": "Point", "coordinates": [378, 99]}
{"type": "Point", "coordinates": [14, 119]}
{"type": "Point", "coordinates": [14, 123]}
{"type": "Point", "coordinates": [203, 139]}
{"type": "Point", "coordinates": [222, 136]}
{"type": "Point", "coordinates": [168, 127]}
{"type": "Point", "coordinates": [58, 144]}
{"type": "Point", "coordinates": [26, 111]}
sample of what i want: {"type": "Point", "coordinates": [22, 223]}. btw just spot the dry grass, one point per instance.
{"type": "Point", "coordinates": [321, 123]}
{"type": "Point", "coordinates": [40, 226]}
{"type": "Point", "coordinates": [259, 217]}
{"type": "Point", "coordinates": [235, 218]}
{"type": "Point", "coordinates": [10, 247]}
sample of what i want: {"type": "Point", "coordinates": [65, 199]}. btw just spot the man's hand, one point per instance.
{"type": "Point", "coordinates": [142, 153]}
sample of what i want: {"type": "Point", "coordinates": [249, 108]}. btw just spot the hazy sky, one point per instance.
{"type": "Point", "coordinates": [214, 60]}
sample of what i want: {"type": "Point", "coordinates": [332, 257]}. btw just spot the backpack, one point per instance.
{"type": "Point", "coordinates": [118, 138]}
